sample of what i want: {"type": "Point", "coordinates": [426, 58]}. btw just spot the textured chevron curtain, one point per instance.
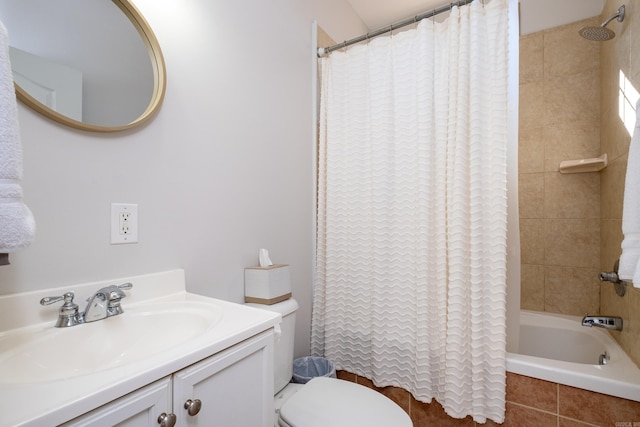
{"type": "Point", "coordinates": [412, 216]}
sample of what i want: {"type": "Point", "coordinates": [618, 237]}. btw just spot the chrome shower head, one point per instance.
{"type": "Point", "coordinates": [597, 34]}
{"type": "Point", "coordinates": [602, 33]}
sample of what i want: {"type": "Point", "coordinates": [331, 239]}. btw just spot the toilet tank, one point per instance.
{"type": "Point", "coordinates": [283, 349]}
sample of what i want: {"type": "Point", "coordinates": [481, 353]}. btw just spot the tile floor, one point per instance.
{"type": "Point", "coordinates": [530, 403]}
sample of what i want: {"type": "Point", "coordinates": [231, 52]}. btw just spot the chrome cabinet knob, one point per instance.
{"type": "Point", "coordinates": [193, 406]}
{"type": "Point", "coordinates": [167, 420]}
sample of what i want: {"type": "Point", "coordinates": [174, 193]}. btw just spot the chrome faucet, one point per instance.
{"type": "Point", "coordinates": [607, 322]}
{"type": "Point", "coordinates": [612, 276]}
{"type": "Point", "coordinates": [104, 303]}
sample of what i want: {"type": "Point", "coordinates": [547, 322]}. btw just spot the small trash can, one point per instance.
{"type": "Point", "coordinates": [308, 367]}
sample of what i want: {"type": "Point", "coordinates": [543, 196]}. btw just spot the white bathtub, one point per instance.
{"type": "Point", "coordinates": [559, 349]}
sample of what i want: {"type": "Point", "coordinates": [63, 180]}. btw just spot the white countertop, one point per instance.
{"type": "Point", "coordinates": [53, 402]}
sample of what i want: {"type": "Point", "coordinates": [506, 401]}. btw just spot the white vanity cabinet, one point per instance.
{"type": "Point", "coordinates": [233, 388]}
{"type": "Point", "coordinates": [141, 408]}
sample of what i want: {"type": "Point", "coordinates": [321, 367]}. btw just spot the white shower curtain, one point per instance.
{"type": "Point", "coordinates": [412, 214]}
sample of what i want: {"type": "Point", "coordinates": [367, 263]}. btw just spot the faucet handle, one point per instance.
{"type": "Point", "coordinates": [52, 300]}
{"type": "Point", "coordinates": [114, 295]}
{"type": "Point", "coordinates": [68, 300]}
{"type": "Point", "coordinates": [68, 312]}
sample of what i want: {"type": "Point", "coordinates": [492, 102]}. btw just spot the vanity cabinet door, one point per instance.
{"type": "Point", "coordinates": [138, 409]}
{"type": "Point", "coordinates": [234, 387]}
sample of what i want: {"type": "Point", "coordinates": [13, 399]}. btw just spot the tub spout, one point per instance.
{"type": "Point", "coordinates": [607, 322]}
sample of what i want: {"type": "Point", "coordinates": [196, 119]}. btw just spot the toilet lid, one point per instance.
{"type": "Point", "coordinates": [331, 402]}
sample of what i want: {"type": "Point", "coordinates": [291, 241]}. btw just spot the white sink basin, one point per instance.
{"type": "Point", "coordinates": [45, 353]}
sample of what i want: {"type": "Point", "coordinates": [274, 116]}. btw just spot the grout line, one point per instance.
{"type": "Point", "coordinates": [534, 408]}
{"type": "Point", "coordinates": [558, 399]}
{"type": "Point", "coordinates": [578, 421]}
{"type": "Point", "coordinates": [558, 404]}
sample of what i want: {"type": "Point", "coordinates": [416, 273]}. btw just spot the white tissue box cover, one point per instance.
{"type": "Point", "coordinates": [267, 285]}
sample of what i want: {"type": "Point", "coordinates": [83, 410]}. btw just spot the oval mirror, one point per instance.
{"type": "Point", "coordinates": [90, 64]}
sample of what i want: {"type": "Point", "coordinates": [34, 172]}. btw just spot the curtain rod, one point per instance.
{"type": "Point", "coordinates": [322, 51]}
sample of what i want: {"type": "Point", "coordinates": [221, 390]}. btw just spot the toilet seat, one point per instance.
{"type": "Point", "coordinates": [331, 402]}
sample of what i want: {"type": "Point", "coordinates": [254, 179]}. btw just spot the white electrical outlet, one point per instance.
{"type": "Point", "coordinates": [124, 223]}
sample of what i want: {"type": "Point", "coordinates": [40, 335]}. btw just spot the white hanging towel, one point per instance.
{"type": "Point", "coordinates": [17, 226]}
{"type": "Point", "coordinates": [629, 268]}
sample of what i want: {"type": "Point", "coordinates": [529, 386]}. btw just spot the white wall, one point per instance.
{"type": "Point", "coordinates": [224, 169]}
{"type": "Point", "coordinates": [538, 15]}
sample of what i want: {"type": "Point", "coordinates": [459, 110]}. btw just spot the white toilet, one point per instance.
{"type": "Point", "coordinates": [323, 402]}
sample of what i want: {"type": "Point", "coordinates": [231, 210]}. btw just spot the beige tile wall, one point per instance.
{"type": "Point", "coordinates": [622, 54]}
{"type": "Point", "coordinates": [559, 213]}
{"type": "Point", "coordinates": [571, 92]}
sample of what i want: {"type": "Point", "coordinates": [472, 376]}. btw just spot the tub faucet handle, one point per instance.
{"type": "Point", "coordinates": [612, 276]}
{"type": "Point", "coordinates": [609, 276]}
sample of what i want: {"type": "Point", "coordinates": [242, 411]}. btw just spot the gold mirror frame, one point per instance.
{"type": "Point", "coordinates": [159, 76]}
